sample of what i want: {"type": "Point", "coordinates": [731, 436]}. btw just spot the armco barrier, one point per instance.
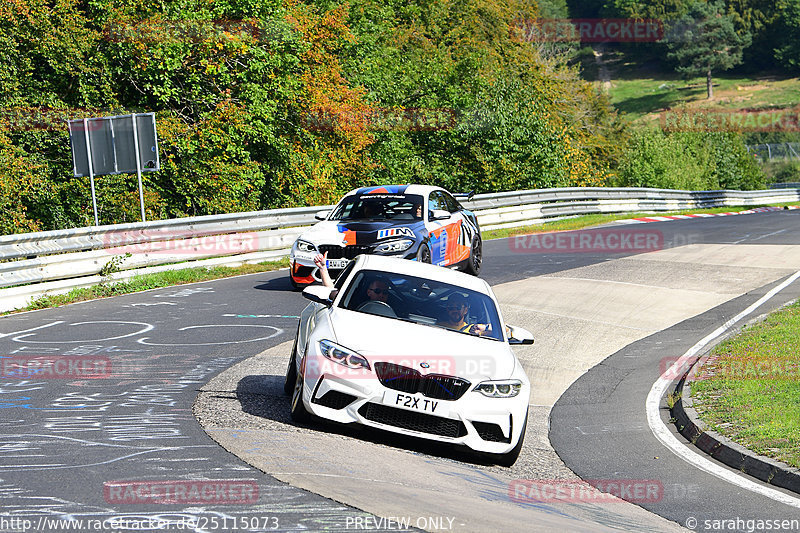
{"type": "Point", "coordinates": [32, 264]}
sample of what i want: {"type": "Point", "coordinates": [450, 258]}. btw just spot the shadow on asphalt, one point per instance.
{"type": "Point", "coordinates": [262, 396]}
{"type": "Point", "coordinates": [277, 284]}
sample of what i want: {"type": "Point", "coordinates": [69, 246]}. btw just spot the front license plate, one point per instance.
{"type": "Point", "coordinates": [337, 263]}
{"type": "Point", "coordinates": [415, 402]}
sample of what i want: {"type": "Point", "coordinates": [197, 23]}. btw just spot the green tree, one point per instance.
{"type": "Point", "coordinates": [788, 27]}
{"type": "Point", "coordinates": [646, 9]}
{"type": "Point", "coordinates": [704, 41]}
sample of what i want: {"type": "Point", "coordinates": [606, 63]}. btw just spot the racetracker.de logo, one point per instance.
{"type": "Point", "coordinates": [383, 119]}
{"type": "Point", "coordinates": [54, 367]}
{"type": "Point", "coordinates": [231, 491]}
{"type": "Point", "coordinates": [731, 120]}
{"type": "Point", "coordinates": [719, 367]}
{"type": "Point", "coordinates": [18, 118]}
{"type": "Point", "coordinates": [183, 31]}
{"type": "Point", "coordinates": [589, 490]}
{"type": "Point", "coordinates": [588, 30]}
{"type": "Point", "coordinates": [615, 240]}
{"type": "Point", "coordinates": [398, 368]}
{"type": "Point", "coordinates": [178, 242]}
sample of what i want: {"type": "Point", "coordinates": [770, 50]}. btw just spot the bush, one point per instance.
{"type": "Point", "coordinates": [694, 161]}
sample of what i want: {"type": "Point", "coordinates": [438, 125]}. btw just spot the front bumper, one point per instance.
{"type": "Point", "coordinates": [304, 271]}
{"type": "Point", "coordinates": [491, 425]}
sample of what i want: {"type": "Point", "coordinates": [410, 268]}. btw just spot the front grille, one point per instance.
{"type": "Point", "coordinates": [491, 432]}
{"type": "Point", "coordinates": [401, 418]}
{"type": "Point", "coordinates": [344, 252]}
{"type": "Point", "coordinates": [335, 400]}
{"type": "Point", "coordinates": [404, 379]}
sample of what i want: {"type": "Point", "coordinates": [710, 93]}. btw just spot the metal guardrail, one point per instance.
{"type": "Point", "coordinates": [59, 260]}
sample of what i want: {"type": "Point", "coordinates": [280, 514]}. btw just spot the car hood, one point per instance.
{"type": "Point", "coordinates": [415, 345]}
{"type": "Point", "coordinates": [359, 231]}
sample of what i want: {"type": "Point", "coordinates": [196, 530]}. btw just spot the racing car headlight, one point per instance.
{"type": "Point", "coordinates": [344, 356]}
{"type": "Point", "coordinates": [304, 246]}
{"type": "Point", "coordinates": [394, 246]}
{"type": "Point", "coordinates": [499, 389]}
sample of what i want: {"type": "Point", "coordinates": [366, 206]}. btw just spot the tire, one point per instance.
{"type": "Point", "coordinates": [291, 370]}
{"type": "Point", "coordinates": [424, 254]}
{"type": "Point", "coordinates": [299, 412]}
{"type": "Point", "coordinates": [509, 458]}
{"type": "Point", "coordinates": [295, 285]}
{"type": "Point", "coordinates": [475, 258]}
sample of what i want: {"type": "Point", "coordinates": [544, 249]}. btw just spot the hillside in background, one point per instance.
{"type": "Point", "coordinates": [281, 103]}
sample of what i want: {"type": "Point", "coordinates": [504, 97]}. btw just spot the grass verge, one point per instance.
{"type": "Point", "coordinates": [150, 281]}
{"type": "Point", "coordinates": [749, 388]}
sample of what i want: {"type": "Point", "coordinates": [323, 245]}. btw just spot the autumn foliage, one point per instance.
{"type": "Point", "coordinates": [283, 103]}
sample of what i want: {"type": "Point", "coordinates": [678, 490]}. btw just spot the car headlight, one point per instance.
{"type": "Point", "coordinates": [394, 246]}
{"type": "Point", "coordinates": [304, 246]}
{"type": "Point", "coordinates": [499, 389]}
{"type": "Point", "coordinates": [344, 356]}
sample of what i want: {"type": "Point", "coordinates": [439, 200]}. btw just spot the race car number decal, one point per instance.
{"type": "Point", "coordinates": [394, 232]}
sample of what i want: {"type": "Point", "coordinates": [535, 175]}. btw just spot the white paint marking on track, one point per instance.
{"type": "Point", "coordinates": [278, 331]}
{"type": "Point", "coordinates": [31, 329]}
{"type": "Point", "coordinates": [675, 446]}
{"type": "Point", "coordinates": [147, 327]}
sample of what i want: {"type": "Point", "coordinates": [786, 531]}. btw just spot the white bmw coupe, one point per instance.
{"type": "Point", "coordinates": [415, 349]}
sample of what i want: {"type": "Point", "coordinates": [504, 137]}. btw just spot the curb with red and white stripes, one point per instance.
{"type": "Point", "coordinates": [642, 220]}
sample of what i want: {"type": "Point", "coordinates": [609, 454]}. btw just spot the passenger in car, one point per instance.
{"type": "Point", "coordinates": [457, 307]}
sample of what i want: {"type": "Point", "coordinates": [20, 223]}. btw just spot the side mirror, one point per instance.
{"type": "Point", "coordinates": [518, 335]}
{"type": "Point", "coordinates": [440, 214]}
{"type": "Point", "coordinates": [321, 215]}
{"type": "Point", "coordinates": [320, 294]}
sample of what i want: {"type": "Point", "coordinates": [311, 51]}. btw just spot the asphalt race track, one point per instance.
{"type": "Point", "coordinates": [120, 448]}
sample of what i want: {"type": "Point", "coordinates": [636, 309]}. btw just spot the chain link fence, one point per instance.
{"type": "Point", "coordinates": [775, 151]}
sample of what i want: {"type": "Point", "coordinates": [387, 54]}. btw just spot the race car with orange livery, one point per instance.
{"type": "Point", "coordinates": [417, 222]}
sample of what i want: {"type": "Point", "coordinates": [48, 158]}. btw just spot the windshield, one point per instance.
{"type": "Point", "coordinates": [423, 301]}
{"type": "Point", "coordinates": [379, 207]}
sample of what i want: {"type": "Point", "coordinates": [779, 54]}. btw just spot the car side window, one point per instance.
{"type": "Point", "coordinates": [452, 204]}
{"type": "Point", "coordinates": [436, 201]}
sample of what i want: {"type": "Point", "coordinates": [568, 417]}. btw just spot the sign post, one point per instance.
{"type": "Point", "coordinates": [120, 144]}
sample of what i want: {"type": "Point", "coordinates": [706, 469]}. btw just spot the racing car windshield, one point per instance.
{"type": "Point", "coordinates": [423, 301]}
{"type": "Point", "coordinates": [400, 207]}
